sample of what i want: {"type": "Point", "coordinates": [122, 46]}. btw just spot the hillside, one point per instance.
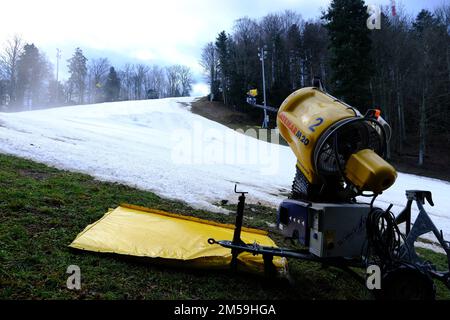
{"type": "Point", "coordinates": [42, 209]}
{"type": "Point", "coordinates": [161, 146]}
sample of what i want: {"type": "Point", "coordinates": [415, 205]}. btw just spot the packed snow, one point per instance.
{"type": "Point", "coordinates": [160, 146]}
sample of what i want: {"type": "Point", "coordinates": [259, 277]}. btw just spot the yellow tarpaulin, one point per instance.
{"type": "Point", "coordinates": [143, 232]}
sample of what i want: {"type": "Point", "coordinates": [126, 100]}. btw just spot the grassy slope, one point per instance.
{"type": "Point", "coordinates": [42, 209]}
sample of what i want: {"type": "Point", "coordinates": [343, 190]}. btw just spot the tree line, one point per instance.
{"type": "Point", "coordinates": [28, 80]}
{"type": "Point", "coordinates": [403, 68]}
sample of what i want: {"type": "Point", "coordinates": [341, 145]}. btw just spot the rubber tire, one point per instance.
{"type": "Point", "coordinates": [406, 283]}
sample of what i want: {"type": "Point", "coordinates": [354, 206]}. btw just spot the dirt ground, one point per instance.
{"type": "Point", "coordinates": [227, 115]}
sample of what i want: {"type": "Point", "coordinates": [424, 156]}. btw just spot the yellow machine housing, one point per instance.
{"type": "Point", "coordinates": [302, 118]}
{"type": "Point", "coordinates": [253, 92]}
{"type": "Point", "coordinates": [308, 120]}
{"type": "Point", "coordinates": [368, 171]}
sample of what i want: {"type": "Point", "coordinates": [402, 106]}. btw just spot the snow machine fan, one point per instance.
{"type": "Point", "coordinates": [340, 153]}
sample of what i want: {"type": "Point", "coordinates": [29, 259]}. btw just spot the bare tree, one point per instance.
{"type": "Point", "coordinates": [209, 64]}
{"type": "Point", "coordinates": [185, 80]}
{"type": "Point", "coordinates": [246, 38]}
{"type": "Point", "coordinates": [98, 70]}
{"type": "Point", "coordinates": [155, 82]}
{"type": "Point", "coordinates": [126, 76]}
{"type": "Point", "coordinates": [290, 18]}
{"type": "Point", "coordinates": [272, 27]}
{"type": "Point", "coordinates": [8, 62]}
{"type": "Point", "coordinates": [173, 81]}
{"type": "Point", "coordinates": [140, 72]}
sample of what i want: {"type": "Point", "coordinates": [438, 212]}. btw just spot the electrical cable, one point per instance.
{"type": "Point", "coordinates": [384, 237]}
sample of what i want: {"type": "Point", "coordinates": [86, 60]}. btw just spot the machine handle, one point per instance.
{"type": "Point", "coordinates": [420, 195]}
{"type": "Point", "coordinates": [235, 190]}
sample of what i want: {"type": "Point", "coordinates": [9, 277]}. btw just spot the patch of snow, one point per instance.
{"type": "Point", "coordinates": [136, 143]}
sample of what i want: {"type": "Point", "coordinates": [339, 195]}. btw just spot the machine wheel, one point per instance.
{"type": "Point", "coordinates": [302, 189]}
{"type": "Point", "coordinates": [406, 283]}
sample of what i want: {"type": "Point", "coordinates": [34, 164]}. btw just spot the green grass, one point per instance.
{"type": "Point", "coordinates": [42, 209]}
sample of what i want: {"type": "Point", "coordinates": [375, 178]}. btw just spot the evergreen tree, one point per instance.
{"type": "Point", "coordinates": [30, 69]}
{"type": "Point", "coordinates": [222, 47]}
{"type": "Point", "coordinates": [350, 47]}
{"type": "Point", "coordinates": [112, 86]}
{"type": "Point", "coordinates": [78, 71]}
{"type": "Point", "coordinates": [424, 20]}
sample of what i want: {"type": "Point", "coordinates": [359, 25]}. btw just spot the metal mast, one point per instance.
{"type": "Point", "coordinates": [262, 56]}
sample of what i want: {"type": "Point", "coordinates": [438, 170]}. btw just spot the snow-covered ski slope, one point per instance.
{"type": "Point", "coordinates": [159, 145]}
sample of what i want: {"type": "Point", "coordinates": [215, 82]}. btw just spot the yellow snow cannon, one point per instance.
{"type": "Point", "coordinates": [340, 153]}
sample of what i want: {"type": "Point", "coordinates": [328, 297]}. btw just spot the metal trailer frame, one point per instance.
{"type": "Point", "coordinates": [423, 224]}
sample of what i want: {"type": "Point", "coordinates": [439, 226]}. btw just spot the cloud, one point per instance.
{"type": "Point", "coordinates": [200, 90]}
{"type": "Point", "coordinates": [168, 31]}
{"type": "Point", "coordinates": [139, 28]}
{"type": "Point", "coordinates": [144, 55]}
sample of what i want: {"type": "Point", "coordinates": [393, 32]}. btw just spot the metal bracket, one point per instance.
{"type": "Point", "coordinates": [238, 227]}
{"type": "Point", "coordinates": [422, 225]}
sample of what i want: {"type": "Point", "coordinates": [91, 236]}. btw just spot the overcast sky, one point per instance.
{"type": "Point", "coordinates": [160, 32]}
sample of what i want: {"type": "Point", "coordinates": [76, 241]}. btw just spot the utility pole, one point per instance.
{"type": "Point", "coordinates": [58, 56]}
{"type": "Point", "coordinates": [262, 56]}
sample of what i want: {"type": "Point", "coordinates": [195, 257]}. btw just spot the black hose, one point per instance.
{"type": "Point", "coordinates": [384, 237]}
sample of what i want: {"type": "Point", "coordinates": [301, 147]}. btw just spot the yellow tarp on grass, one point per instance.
{"type": "Point", "coordinates": [143, 232]}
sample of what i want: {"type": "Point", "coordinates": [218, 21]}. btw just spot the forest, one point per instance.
{"type": "Point", "coordinates": [402, 67]}
{"type": "Point", "coordinates": [29, 81]}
